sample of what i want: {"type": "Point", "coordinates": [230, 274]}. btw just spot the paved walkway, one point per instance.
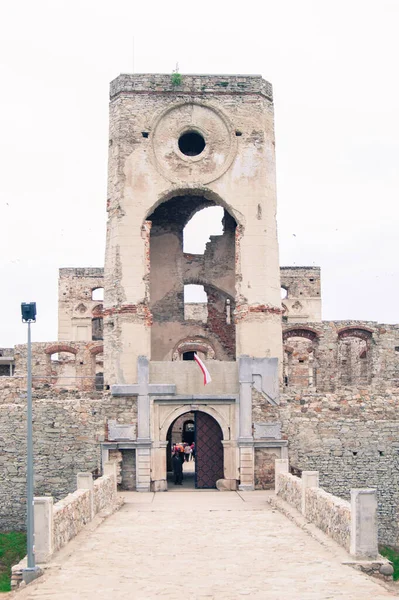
{"type": "Point", "coordinates": [197, 545]}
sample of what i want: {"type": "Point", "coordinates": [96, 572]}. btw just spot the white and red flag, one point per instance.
{"type": "Point", "coordinates": [205, 372]}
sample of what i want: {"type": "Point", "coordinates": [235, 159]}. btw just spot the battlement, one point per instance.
{"type": "Point", "coordinates": [191, 84]}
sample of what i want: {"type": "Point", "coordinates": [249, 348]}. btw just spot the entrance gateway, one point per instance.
{"type": "Point", "coordinates": [205, 432]}
{"type": "Point", "coordinates": [174, 151]}
{"type": "Point", "coordinates": [225, 439]}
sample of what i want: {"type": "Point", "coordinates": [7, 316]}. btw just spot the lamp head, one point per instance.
{"type": "Point", "coordinates": [28, 312]}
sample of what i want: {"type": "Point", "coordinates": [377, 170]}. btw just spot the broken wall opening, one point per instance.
{"type": "Point", "coordinates": [173, 271]}
{"type": "Point", "coordinates": [63, 369]}
{"type": "Point", "coordinates": [354, 357]}
{"type": "Point", "coordinates": [300, 356]}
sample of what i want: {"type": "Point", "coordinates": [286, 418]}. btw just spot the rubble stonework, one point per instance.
{"type": "Point", "coordinates": [68, 430]}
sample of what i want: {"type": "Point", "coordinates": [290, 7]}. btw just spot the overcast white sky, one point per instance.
{"type": "Point", "coordinates": [334, 69]}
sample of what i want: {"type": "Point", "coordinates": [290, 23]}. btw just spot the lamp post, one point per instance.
{"type": "Point", "coordinates": [28, 312]}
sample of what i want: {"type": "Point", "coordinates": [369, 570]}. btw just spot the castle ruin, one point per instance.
{"type": "Point", "coordinates": [122, 374]}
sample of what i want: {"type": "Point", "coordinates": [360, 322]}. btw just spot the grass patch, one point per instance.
{"type": "Point", "coordinates": [393, 556]}
{"type": "Point", "coordinates": [12, 549]}
{"type": "Point", "coordinates": [176, 79]}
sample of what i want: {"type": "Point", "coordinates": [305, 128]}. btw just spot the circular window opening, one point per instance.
{"type": "Point", "coordinates": [191, 143]}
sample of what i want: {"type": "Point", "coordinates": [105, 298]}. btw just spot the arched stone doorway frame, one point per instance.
{"type": "Point", "coordinates": [178, 411]}
{"type": "Point", "coordinates": [161, 426]}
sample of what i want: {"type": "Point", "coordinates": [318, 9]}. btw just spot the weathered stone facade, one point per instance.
{"type": "Point", "coordinates": [282, 379]}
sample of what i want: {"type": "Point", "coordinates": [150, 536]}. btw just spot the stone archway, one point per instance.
{"type": "Point", "coordinates": [209, 452]}
{"type": "Point", "coordinates": [163, 415]}
{"type": "Point", "coordinates": [177, 411]}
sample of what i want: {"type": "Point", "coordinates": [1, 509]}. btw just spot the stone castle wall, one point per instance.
{"type": "Point", "coordinates": [351, 437]}
{"type": "Point", "coordinates": [333, 355]}
{"type": "Point", "coordinates": [67, 428]}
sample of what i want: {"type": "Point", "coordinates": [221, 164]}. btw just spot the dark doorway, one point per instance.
{"type": "Point", "coordinates": [189, 432]}
{"type": "Point", "coordinates": [128, 470]}
{"type": "Point", "coordinates": [188, 355]}
{"type": "Point", "coordinates": [207, 435]}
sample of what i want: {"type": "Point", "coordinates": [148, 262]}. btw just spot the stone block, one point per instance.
{"type": "Point", "coordinates": [226, 485]}
{"type": "Point", "coordinates": [281, 466]}
{"type": "Point", "coordinates": [44, 528]}
{"type": "Point", "coordinates": [364, 532]}
{"type": "Point", "coordinates": [309, 479]}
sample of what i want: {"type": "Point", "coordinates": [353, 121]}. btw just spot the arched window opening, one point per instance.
{"type": "Point", "coordinates": [172, 264]}
{"type": "Point", "coordinates": [97, 358]}
{"type": "Point", "coordinates": [99, 381]}
{"type": "Point", "coordinates": [195, 303]}
{"type": "Point", "coordinates": [353, 360]}
{"type": "Point", "coordinates": [284, 293]}
{"type": "Point", "coordinates": [299, 362]}
{"type": "Point", "coordinates": [97, 328]}
{"type": "Point", "coordinates": [199, 345]}
{"type": "Point", "coordinates": [199, 229]}
{"type": "Point", "coordinates": [63, 370]}
{"type": "Point", "coordinates": [97, 294]}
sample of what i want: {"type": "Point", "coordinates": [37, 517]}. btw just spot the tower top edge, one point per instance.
{"type": "Point", "coordinates": [162, 83]}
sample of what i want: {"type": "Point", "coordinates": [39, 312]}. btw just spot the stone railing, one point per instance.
{"type": "Point", "coordinates": [352, 525]}
{"type": "Point", "coordinates": [56, 524]}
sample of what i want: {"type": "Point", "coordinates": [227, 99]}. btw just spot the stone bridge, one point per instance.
{"type": "Point", "coordinates": [211, 544]}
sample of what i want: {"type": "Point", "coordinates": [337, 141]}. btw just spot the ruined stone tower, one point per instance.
{"type": "Point", "coordinates": [173, 150]}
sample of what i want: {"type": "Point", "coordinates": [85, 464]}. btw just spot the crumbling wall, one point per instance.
{"type": "Point", "coordinates": [171, 269]}
{"type": "Point", "coordinates": [148, 172]}
{"type": "Point", "coordinates": [341, 354]}
{"type": "Point", "coordinates": [303, 300]}
{"type": "Point", "coordinates": [56, 365]}
{"type": "Point", "coordinates": [76, 308]}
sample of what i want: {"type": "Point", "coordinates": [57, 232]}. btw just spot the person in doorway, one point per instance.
{"type": "Point", "coordinates": [180, 450]}
{"type": "Point", "coordinates": [192, 451]}
{"type": "Point", "coordinates": [187, 452]}
{"type": "Point", "coordinates": [177, 469]}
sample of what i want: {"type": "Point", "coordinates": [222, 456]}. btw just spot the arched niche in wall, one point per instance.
{"type": "Point", "coordinates": [300, 355]}
{"type": "Point", "coordinates": [354, 356]}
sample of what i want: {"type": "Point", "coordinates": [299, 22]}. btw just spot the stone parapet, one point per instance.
{"type": "Point", "coordinates": [56, 525]}
{"type": "Point", "coordinates": [353, 526]}
{"type": "Point", "coordinates": [191, 84]}
{"type": "Point", "coordinates": [289, 488]}
{"type": "Point", "coordinates": [81, 272]}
